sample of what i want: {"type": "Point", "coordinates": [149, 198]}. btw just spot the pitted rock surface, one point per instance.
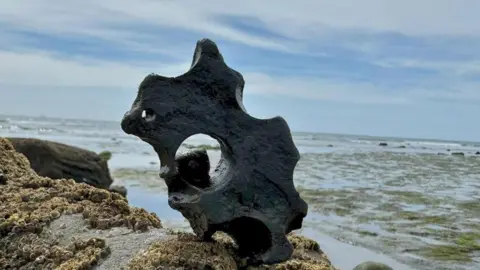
{"type": "Point", "coordinates": [251, 194]}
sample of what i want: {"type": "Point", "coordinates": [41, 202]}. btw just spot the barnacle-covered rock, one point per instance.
{"type": "Point", "coordinates": [30, 203]}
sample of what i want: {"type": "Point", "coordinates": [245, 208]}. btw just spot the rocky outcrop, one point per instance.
{"type": "Point", "coordinates": [383, 144]}
{"type": "Point", "coordinates": [58, 161]}
{"type": "Point", "coordinates": [62, 224]}
{"type": "Point", "coordinates": [252, 196]}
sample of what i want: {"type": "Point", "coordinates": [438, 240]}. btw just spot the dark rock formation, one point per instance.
{"type": "Point", "coordinates": [194, 167]}
{"type": "Point", "coordinates": [402, 146]}
{"type": "Point", "coordinates": [252, 196]}
{"type": "Point", "coordinates": [372, 266]}
{"type": "Point", "coordinates": [458, 154]}
{"type": "Point", "coordinates": [383, 144]}
{"type": "Point", "coordinates": [477, 153]}
{"type": "Point", "coordinates": [60, 161]}
{"type": "Point", "coordinates": [3, 178]}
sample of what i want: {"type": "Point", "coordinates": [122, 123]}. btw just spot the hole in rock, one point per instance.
{"type": "Point", "coordinates": [198, 158]}
{"type": "Point", "coordinates": [250, 234]}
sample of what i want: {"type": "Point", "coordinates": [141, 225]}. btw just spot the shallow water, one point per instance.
{"type": "Point", "coordinates": [157, 203]}
{"type": "Point", "coordinates": [399, 203]}
{"type": "Point", "coordinates": [335, 249]}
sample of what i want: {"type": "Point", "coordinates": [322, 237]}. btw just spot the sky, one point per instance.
{"type": "Point", "coordinates": [399, 68]}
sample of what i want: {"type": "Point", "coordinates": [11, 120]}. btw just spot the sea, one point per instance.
{"type": "Point", "coordinates": [409, 203]}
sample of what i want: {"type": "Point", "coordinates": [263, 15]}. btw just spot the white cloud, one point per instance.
{"type": "Point", "coordinates": [320, 89]}
{"type": "Point", "coordinates": [469, 67]}
{"type": "Point", "coordinates": [121, 22]}
{"type": "Point", "coordinates": [42, 69]}
{"type": "Point", "coordinates": [305, 19]}
{"type": "Point", "coordinates": [462, 91]}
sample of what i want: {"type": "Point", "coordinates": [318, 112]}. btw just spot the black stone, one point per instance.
{"type": "Point", "coordinates": [3, 178]}
{"type": "Point", "coordinates": [251, 194]}
{"type": "Point", "coordinates": [194, 168]}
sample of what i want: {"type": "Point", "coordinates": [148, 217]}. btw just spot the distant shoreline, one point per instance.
{"type": "Point", "coordinates": [293, 132]}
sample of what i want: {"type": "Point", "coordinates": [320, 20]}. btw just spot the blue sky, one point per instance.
{"type": "Point", "coordinates": [393, 68]}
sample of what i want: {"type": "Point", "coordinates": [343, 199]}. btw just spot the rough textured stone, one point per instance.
{"type": "Point", "coordinates": [252, 195]}
{"type": "Point", "coordinates": [60, 161]}
{"type": "Point", "coordinates": [29, 203]}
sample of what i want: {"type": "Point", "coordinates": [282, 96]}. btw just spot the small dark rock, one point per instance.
{"type": "Point", "coordinates": [458, 154]}
{"type": "Point", "coordinates": [119, 189]}
{"type": "Point", "coordinates": [402, 146]}
{"type": "Point", "coordinates": [477, 153]}
{"type": "Point", "coordinates": [372, 266]}
{"type": "Point", "coordinates": [3, 178]}
{"type": "Point", "coordinates": [383, 144]}
{"type": "Point", "coordinates": [441, 154]}
{"type": "Point", "coordinates": [193, 167]}
{"type": "Point", "coordinates": [448, 150]}
{"type": "Point", "coordinates": [330, 145]}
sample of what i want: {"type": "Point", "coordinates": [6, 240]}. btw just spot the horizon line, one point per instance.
{"type": "Point", "coordinates": [292, 131]}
